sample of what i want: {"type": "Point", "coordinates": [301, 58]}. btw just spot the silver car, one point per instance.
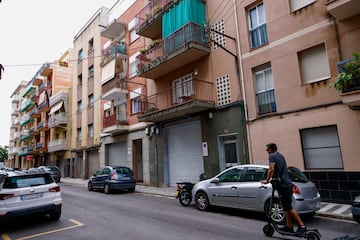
{"type": "Point", "coordinates": [240, 187]}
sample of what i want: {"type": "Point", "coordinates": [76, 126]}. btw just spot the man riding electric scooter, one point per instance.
{"type": "Point", "coordinates": [282, 183]}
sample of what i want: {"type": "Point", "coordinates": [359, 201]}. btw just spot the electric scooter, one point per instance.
{"type": "Point", "coordinates": [271, 226]}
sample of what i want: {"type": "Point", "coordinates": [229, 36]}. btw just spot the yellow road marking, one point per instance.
{"type": "Point", "coordinates": [4, 236]}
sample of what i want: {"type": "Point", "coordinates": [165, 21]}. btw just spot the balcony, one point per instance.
{"type": "Point", "coordinates": [34, 131]}
{"type": "Point", "coordinates": [115, 123]}
{"type": "Point", "coordinates": [27, 105]}
{"type": "Point", "coordinates": [35, 113]}
{"type": "Point", "coordinates": [26, 119]}
{"type": "Point", "coordinates": [113, 51]}
{"type": "Point", "coordinates": [62, 95]}
{"type": "Point", "coordinates": [43, 126]}
{"type": "Point", "coordinates": [44, 107]}
{"type": "Point", "coordinates": [57, 145]}
{"type": "Point", "coordinates": [191, 97]}
{"type": "Point", "coordinates": [184, 46]}
{"type": "Point", "coordinates": [23, 152]}
{"type": "Point", "coordinates": [343, 9]}
{"type": "Point", "coordinates": [114, 30]}
{"type": "Point", "coordinates": [28, 90]}
{"type": "Point", "coordinates": [350, 93]}
{"type": "Point", "coordinates": [114, 90]}
{"type": "Point", "coordinates": [15, 99]}
{"type": "Point", "coordinates": [149, 19]}
{"type": "Point", "coordinates": [59, 119]}
{"type": "Point", "coordinates": [41, 147]}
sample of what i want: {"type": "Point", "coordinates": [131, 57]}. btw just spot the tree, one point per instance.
{"type": "Point", "coordinates": [3, 153]}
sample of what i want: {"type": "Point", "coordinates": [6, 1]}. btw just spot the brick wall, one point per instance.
{"type": "Point", "coordinates": [336, 186]}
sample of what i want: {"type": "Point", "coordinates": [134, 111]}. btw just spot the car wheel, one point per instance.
{"type": "Point", "coordinates": [107, 189]}
{"type": "Point", "coordinates": [55, 215]}
{"type": "Point", "coordinates": [277, 213]}
{"type": "Point", "coordinates": [90, 187]}
{"type": "Point", "coordinates": [202, 201]}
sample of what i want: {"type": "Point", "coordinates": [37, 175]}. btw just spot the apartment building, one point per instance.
{"type": "Point", "coordinates": [195, 103]}
{"type": "Point", "coordinates": [124, 141]}
{"type": "Point", "coordinates": [86, 115]}
{"type": "Point", "coordinates": [14, 139]}
{"type": "Point", "coordinates": [59, 116]}
{"type": "Point", "coordinates": [33, 107]}
{"type": "Point", "coordinates": [291, 51]}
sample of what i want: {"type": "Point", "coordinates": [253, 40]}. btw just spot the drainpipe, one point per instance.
{"type": "Point", "coordinates": [241, 80]}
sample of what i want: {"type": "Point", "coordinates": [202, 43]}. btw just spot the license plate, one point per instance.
{"type": "Point", "coordinates": [177, 194]}
{"type": "Point", "coordinates": [31, 196]}
{"type": "Point", "coordinates": [125, 178]}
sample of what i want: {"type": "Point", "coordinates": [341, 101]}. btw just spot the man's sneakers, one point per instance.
{"type": "Point", "coordinates": [286, 229]}
{"type": "Point", "coordinates": [301, 230]}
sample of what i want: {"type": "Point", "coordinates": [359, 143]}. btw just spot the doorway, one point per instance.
{"type": "Point", "coordinates": [138, 160]}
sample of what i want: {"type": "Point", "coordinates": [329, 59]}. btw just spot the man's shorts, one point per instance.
{"type": "Point", "coordinates": [286, 197]}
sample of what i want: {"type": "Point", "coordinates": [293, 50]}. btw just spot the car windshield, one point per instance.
{"type": "Point", "coordinates": [296, 175]}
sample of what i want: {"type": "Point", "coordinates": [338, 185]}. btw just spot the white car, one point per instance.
{"type": "Point", "coordinates": [240, 187]}
{"type": "Point", "coordinates": [29, 192]}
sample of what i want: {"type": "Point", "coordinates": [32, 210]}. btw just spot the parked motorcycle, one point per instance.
{"type": "Point", "coordinates": [183, 191]}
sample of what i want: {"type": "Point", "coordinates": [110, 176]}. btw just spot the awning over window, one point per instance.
{"type": "Point", "coordinates": [135, 93]}
{"type": "Point", "coordinates": [56, 107]}
{"type": "Point", "coordinates": [108, 71]}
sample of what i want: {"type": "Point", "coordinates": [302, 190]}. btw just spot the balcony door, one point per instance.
{"type": "Point", "coordinates": [182, 88]}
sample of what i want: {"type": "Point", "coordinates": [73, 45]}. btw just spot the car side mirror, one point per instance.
{"type": "Point", "coordinates": [215, 180]}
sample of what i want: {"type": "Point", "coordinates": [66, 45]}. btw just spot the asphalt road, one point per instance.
{"type": "Point", "coordinates": [94, 215]}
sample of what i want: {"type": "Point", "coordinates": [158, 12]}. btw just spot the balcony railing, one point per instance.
{"type": "Point", "coordinates": [62, 95]}
{"type": "Point", "coordinates": [58, 119]}
{"type": "Point", "coordinates": [190, 37]}
{"type": "Point", "coordinates": [266, 101]}
{"type": "Point", "coordinates": [113, 51]}
{"type": "Point", "coordinates": [151, 14]}
{"type": "Point", "coordinates": [355, 85]}
{"type": "Point", "coordinates": [190, 91]}
{"type": "Point", "coordinates": [57, 145]}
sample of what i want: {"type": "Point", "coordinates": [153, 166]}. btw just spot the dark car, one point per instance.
{"type": "Point", "coordinates": [54, 171]}
{"type": "Point", "coordinates": [111, 178]}
{"type": "Point", "coordinates": [355, 209]}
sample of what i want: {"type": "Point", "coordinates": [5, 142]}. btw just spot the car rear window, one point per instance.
{"type": "Point", "coordinates": [297, 175]}
{"type": "Point", "coordinates": [55, 169]}
{"type": "Point", "coordinates": [125, 171]}
{"type": "Point", "coordinates": [27, 181]}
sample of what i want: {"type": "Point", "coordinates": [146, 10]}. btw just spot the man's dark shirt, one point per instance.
{"type": "Point", "coordinates": [280, 168]}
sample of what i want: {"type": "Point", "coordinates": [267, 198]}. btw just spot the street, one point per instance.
{"type": "Point", "coordinates": [136, 216]}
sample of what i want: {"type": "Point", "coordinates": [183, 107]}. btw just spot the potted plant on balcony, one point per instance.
{"type": "Point", "coordinates": [350, 76]}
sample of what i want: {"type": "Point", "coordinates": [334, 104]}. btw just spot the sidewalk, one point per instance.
{"type": "Point", "coordinates": [333, 210]}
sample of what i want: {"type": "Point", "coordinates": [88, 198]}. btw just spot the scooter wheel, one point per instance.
{"type": "Point", "coordinates": [185, 198]}
{"type": "Point", "coordinates": [268, 230]}
{"type": "Point", "coordinates": [312, 236]}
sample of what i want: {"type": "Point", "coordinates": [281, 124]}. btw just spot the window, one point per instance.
{"type": "Point", "coordinates": [79, 105]}
{"type": "Point", "coordinates": [136, 105]}
{"type": "Point", "coordinates": [91, 71]}
{"type": "Point", "coordinates": [91, 130]}
{"type": "Point", "coordinates": [132, 30]}
{"type": "Point", "coordinates": [80, 79]}
{"type": "Point", "coordinates": [233, 175]}
{"type": "Point", "coordinates": [314, 65]}
{"type": "Point", "coordinates": [321, 148]}
{"type": "Point", "coordinates": [182, 88]}
{"type": "Point", "coordinates": [133, 62]}
{"type": "Point", "coordinates": [91, 100]}
{"type": "Point", "coordinates": [91, 46]}
{"type": "Point", "coordinates": [121, 112]}
{"type": "Point", "coordinates": [257, 26]}
{"type": "Point", "coordinates": [298, 4]}
{"type": "Point", "coordinates": [255, 174]}
{"type": "Point", "coordinates": [79, 134]}
{"type": "Point", "coordinates": [80, 55]}
{"type": "Point", "coordinates": [265, 93]}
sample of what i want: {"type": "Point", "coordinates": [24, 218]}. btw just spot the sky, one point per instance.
{"type": "Point", "coordinates": [33, 32]}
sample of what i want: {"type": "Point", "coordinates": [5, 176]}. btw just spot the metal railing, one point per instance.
{"type": "Point", "coordinates": [195, 89]}
{"type": "Point", "coordinates": [355, 84]}
{"type": "Point", "coordinates": [151, 10]}
{"type": "Point", "coordinates": [159, 51]}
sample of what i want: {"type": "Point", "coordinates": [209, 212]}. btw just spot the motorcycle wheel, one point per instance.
{"type": "Point", "coordinates": [268, 230]}
{"type": "Point", "coordinates": [312, 236]}
{"type": "Point", "coordinates": [185, 198]}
